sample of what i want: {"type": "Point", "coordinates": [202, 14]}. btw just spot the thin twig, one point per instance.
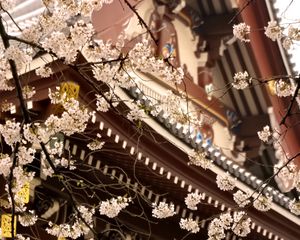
{"type": "Point", "coordinates": [240, 11]}
{"type": "Point", "coordinates": [293, 99]}
{"type": "Point", "coordinates": [141, 20]}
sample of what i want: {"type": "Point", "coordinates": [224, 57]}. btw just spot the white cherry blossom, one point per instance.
{"type": "Point", "coordinates": [241, 198]}
{"type": "Point", "coordinates": [284, 88]}
{"type": "Point", "coordinates": [192, 199]}
{"type": "Point", "coordinates": [241, 32]}
{"type": "Point", "coordinates": [263, 203]}
{"type": "Point", "coordinates": [225, 182]}
{"type": "Point", "coordinates": [189, 225]}
{"type": "Point", "coordinates": [163, 210]}
{"type": "Point", "coordinates": [273, 31]}
{"type": "Point", "coordinates": [43, 71]}
{"type": "Point", "coordinates": [111, 208]}
{"type": "Point", "coordinates": [265, 134]}
{"type": "Point", "coordinates": [241, 224]}
{"type": "Point", "coordinates": [200, 158]}
{"type": "Point", "coordinates": [241, 80]}
{"type": "Point", "coordinates": [27, 219]}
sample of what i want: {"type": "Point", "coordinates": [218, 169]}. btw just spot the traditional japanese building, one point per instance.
{"type": "Point", "coordinates": [149, 162]}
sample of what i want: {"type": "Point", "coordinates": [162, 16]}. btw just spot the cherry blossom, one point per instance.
{"type": "Point", "coordinates": [273, 31]}
{"type": "Point", "coordinates": [111, 208]}
{"type": "Point", "coordinates": [28, 219]}
{"type": "Point", "coordinates": [226, 220]}
{"type": "Point", "coordinates": [11, 132]}
{"type": "Point", "coordinates": [192, 199]}
{"type": "Point", "coordinates": [241, 31]}
{"type": "Point", "coordinates": [199, 158]}
{"type": "Point", "coordinates": [241, 224]}
{"type": "Point", "coordinates": [163, 210]}
{"type": "Point", "coordinates": [216, 230]}
{"type": "Point", "coordinates": [136, 113]}
{"type": "Point", "coordinates": [225, 183]}
{"type": "Point", "coordinates": [28, 92]}
{"type": "Point", "coordinates": [283, 88]}
{"type": "Point", "coordinates": [7, 4]}
{"type": "Point", "coordinates": [189, 225]}
{"type": "Point", "coordinates": [242, 199]}
{"type": "Point", "coordinates": [25, 155]}
{"type": "Point", "coordinates": [96, 144]}
{"type": "Point", "coordinates": [264, 134]}
{"type": "Point", "coordinates": [19, 56]}
{"type": "Point", "coordinates": [241, 80]}
{"type": "Point", "coordinates": [5, 164]}
{"type": "Point", "coordinates": [263, 203]}
{"type": "Point", "coordinates": [44, 71]}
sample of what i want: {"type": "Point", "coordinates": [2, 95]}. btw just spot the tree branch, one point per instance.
{"type": "Point", "coordinates": [293, 99]}
{"type": "Point", "coordinates": [141, 20]}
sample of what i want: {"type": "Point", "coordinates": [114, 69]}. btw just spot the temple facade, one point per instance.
{"type": "Point", "coordinates": [149, 160]}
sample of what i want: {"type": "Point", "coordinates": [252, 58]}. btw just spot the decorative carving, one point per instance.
{"type": "Point", "coordinates": [6, 220]}
{"type": "Point", "coordinates": [24, 193]}
{"type": "Point", "coordinates": [71, 89]}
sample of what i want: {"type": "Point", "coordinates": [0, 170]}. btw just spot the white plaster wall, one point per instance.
{"type": "Point", "coordinates": [134, 28]}
{"type": "Point", "coordinates": [187, 45]}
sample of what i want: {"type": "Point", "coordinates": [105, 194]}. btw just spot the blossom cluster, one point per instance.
{"type": "Point", "coordinates": [112, 207]}
{"type": "Point", "coordinates": [189, 225]}
{"type": "Point", "coordinates": [5, 164]}
{"type": "Point", "coordinates": [73, 120]}
{"type": "Point", "coordinates": [284, 88]}
{"type": "Point", "coordinates": [136, 113]}
{"type": "Point", "coordinates": [241, 31]}
{"type": "Point", "coordinates": [192, 199]}
{"type": "Point", "coordinates": [65, 230]}
{"type": "Point", "coordinates": [28, 219]}
{"type": "Point", "coordinates": [241, 224]}
{"type": "Point", "coordinates": [163, 210]}
{"type": "Point", "coordinates": [20, 56]}
{"type": "Point", "coordinates": [288, 172]}
{"type": "Point", "coordinates": [237, 222]}
{"type": "Point", "coordinates": [265, 134]}
{"type": "Point", "coordinates": [176, 108]}
{"type": "Point", "coordinates": [263, 203]}
{"type": "Point", "coordinates": [241, 80]}
{"type": "Point", "coordinates": [76, 228]}
{"type": "Point", "coordinates": [142, 59]}
{"type": "Point", "coordinates": [276, 32]}
{"type": "Point", "coordinates": [28, 92]}
{"type": "Point", "coordinates": [7, 4]}
{"type": "Point", "coordinates": [11, 131]}
{"type": "Point", "coordinates": [200, 158]}
{"type": "Point", "coordinates": [242, 199]}
{"type": "Point", "coordinates": [43, 71]}
{"type": "Point", "coordinates": [103, 103]}
{"type": "Point", "coordinates": [225, 183]}
{"type": "Point", "coordinates": [273, 30]}
{"type": "Point", "coordinates": [216, 229]}
{"type": "Point", "coordinates": [96, 144]}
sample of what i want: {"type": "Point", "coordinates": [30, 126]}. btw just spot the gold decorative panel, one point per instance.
{"type": "Point", "coordinates": [71, 89]}
{"type": "Point", "coordinates": [24, 193]}
{"type": "Point", "coordinates": [6, 220]}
